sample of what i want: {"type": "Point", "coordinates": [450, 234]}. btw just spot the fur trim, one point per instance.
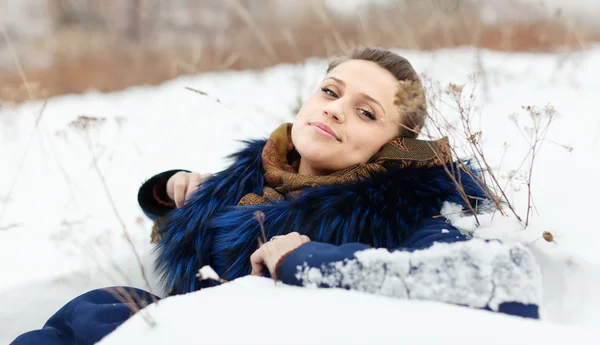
{"type": "Point", "coordinates": [212, 230]}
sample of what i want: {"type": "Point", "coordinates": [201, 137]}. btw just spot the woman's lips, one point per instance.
{"type": "Point", "coordinates": [325, 130]}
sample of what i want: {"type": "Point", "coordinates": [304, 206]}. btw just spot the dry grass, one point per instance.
{"type": "Point", "coordinates": [98, 59]}
{"type": "Point", "coordinates": [465, 141]}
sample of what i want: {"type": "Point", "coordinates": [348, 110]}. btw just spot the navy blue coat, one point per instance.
{"type": "Point", "coordinates": [86, 319]}
{"type": "Point", "coordinates": [419, 255]}
{"type": "Point", "coordinates": [398, 210]}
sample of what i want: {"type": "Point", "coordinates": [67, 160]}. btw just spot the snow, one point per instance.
{"type": "Point", "coordinates": [253, 310]}
{"type": "Point", "coordinates": [473, 273]}
{"type": "Point", "coordinates": [207, 272]}
{"type": "Point", "coordinates": [61, 236]}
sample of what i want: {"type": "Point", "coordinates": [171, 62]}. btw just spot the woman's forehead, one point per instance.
{"type": "Point", "coordinates": [366, 74]}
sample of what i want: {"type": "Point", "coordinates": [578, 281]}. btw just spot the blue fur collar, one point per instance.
{"type": "Point", "coordinates": [211, 230]}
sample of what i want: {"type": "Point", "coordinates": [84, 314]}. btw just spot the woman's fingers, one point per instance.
{"type": "Point", "coordinates": [182, 185]}
{"type": "Point", "coordinates": [257, 262]}
{"type": "Point", "coordinates": [304, 239]}
{"type": "Point", "coordinates": [270, 253]}
{"type": "Point", "coordinates": [176, 187]}
{"type": "Point", "coordinates": [179, 190]}
{"type": "Point", "coordinates": [194, 181]}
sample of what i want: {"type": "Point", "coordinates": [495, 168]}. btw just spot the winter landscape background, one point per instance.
{"type": "Point", "coordinates": [80, 132]}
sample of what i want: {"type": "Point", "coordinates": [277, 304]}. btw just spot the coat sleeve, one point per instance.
{"type": "Point", "coordinates": [152, 196]}
{"type": "Point", "coordinates": [436, 263]}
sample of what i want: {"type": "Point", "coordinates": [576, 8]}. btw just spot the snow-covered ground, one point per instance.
{"type": "Point", "coordinates": [61, 236]}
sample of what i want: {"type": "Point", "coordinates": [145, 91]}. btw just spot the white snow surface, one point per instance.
{"type": "Point", "coordinates": [257, 311]}
{"type": "Point", "coordinates": [473, 273]}
{"type": "Point", "coordinates": [207, 272]}
{"type": "Point", "coordinates": [60, 236]}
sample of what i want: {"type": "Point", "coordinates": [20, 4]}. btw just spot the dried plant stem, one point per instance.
{"type": "Point", "coordinates": [92, 254]}
{"type": "Point", "coordinates": [228, 107]}
{"type": "Point", "coordinates": [465, 113]}
{"type": "Point", "coordinates": [458, 185]}
{"type": "Point", "coordinates": [134, 302]}
{"type": "Point", "coordinates": [23, 77]}
{"type": "Point", "coordinates": [260, 218]}
{"type": "Point", "coordinates": [22, 161]}
{"type": "Point", "coordinates": [487, 182]}
{"type": "Point", "coordinates": [529, 188]}
{"type": "Point", "coordinates": [118, 216]}
{"type": "Point", "coordinates": [496, 183]}
{"type": "Point", "coordinates": [243, 13]}
{"type": "Point", "coordinates": [539, 134]}
{"type": "Point", "coordinates": [534, 136]}
{"type": "Point", "coordinates": [203, 93]}
{"type": "Point", "coordinates": [322, 12]}
{"type": "Point", "coordinates": [17, 62]}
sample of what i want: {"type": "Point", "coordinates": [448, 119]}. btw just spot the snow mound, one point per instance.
{"type": "Point", "coordinates": [254, 310]}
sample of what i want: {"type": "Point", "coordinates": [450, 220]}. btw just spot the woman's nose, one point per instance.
{"type": "Point", "coordinates": [334, 112]}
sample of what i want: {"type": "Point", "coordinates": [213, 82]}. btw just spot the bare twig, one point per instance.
{"type": "Point", "coordinates": [538, 135]}
{"type": "Point", "coordinates": [260, 218]}
{"type": "Point", "coordinates": [17, 62]}
{"type": "Point", "coordinates": [256, 30]}
{"type": "Point", "coordinates": [132, 300]}
{"type": "Point", "coordinates": [203, 93]}
{"type": "Point", "coordinates": [117, 214]}
{"type": "Point", "coordinates": [218, 100]}
{"type": "Point", "coordinates": [487, 182]}
{"type": "Point", "coordinates": [38, 119]}
{"type": "Point", "coordinates": [321, 12]}
{"type": "Point", "coordinates": [10, 226]}
{"type": "Point", "coordinates": [22, 161]}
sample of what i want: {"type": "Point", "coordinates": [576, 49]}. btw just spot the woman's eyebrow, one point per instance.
{"type": "Point", "coordinates": [361, 94]}
{"type": "Point", "coordinates": [369, 98]}
{"type": "Point", "coordinates": [336, 79]}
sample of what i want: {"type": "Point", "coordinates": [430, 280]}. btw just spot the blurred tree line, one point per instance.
{"type": "Point", "coordinates": [71, 46]}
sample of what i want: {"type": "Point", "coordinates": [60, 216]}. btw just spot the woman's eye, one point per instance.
{"type": "Point", "coordinates": [368, 114]}
{"type": "Point", "coordinates": [329, 92]}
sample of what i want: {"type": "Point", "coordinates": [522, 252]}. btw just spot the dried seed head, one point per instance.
{"type": "Point", "coordinates": [409, 94]}
{"type": "Point", "coordinates": [474, 138]}
{"type": "Point", "coordinates": [454, 90]}
{"type": "Point", "coordinates": [259, 216]}
{"type": "Point", "coordinates": [412, 106]}
{"type": "Point", "coordinates": [84, 122]}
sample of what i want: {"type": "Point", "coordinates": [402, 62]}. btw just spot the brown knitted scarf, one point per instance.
{"type": "Point", "coordinates": [281, 161]}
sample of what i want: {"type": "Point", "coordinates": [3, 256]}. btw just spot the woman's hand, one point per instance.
{"type": "Point", "coordinates": [183, 184]}
{"type": "Point", "coordinates": [271, 252]}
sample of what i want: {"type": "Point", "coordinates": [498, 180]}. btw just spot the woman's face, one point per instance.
{"type": "Point", "coordinates": [348, 118]}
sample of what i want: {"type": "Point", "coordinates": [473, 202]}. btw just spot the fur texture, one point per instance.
{"type": "Point", "coordinates": [210, 229]}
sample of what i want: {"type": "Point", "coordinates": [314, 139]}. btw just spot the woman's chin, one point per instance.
{"type": "Point", "coordinates": [317, 158]}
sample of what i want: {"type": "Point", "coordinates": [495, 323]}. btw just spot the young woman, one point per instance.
{"type": "Point", "coordinates": [344, 197]}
